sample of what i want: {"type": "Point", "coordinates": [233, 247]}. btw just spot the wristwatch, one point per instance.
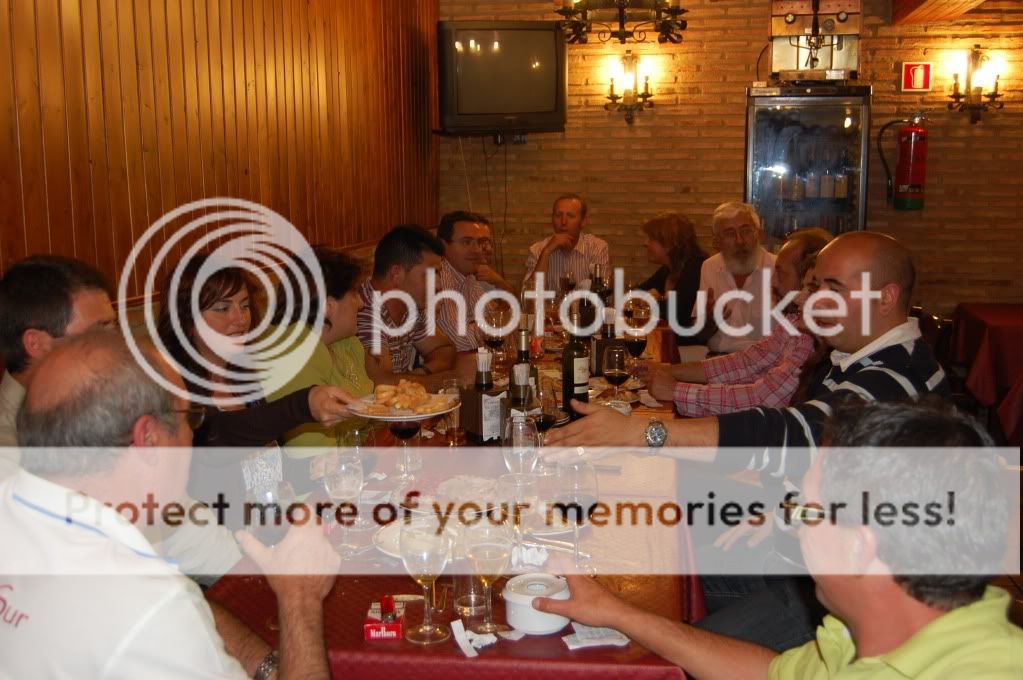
{"type": "Point", "coordinates": [656, 434]}
{"type": "Point", "coordinates": [268, 668]}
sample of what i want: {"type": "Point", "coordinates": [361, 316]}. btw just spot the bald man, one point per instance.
{"type": "Point", "coordinates": [136, 615]}
{"type": "Point", "coordinates": [877, 354]}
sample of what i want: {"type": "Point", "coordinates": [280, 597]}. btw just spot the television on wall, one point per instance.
{"type": "Point", "coordinates": [501, 76]}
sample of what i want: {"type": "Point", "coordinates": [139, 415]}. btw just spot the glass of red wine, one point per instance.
{"type": "Point", "coordinates": [616, 370]}
{"type": "Point", "coordinates": [411, 460]}
{"type": "Point", "coordinates": [266, 512]}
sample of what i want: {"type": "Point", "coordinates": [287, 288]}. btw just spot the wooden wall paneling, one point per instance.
{"type": "Point", "coordinates": [113, 112]}
{"type": "Point", "coordinates": [159, 92]}
{"type": "Point", "coordinates": [145, 82]}
{"type": "Point", "coordinates": [121, 240]}
{"type": "Point", "coordinates": [56, 169]}
{"type": "Point", "coordinates": [30, 129]}
{"type": "Point", "coordinates": [76, 118]}
{"type": "Point", "coordinates": [93, 79]}
{"type": "Point", "coordinates": [177, 111]}
{"type": "Point", "coordinates": [12, 213]}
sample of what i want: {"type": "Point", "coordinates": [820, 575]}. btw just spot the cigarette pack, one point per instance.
{"type": "Point", "coordinates": [384, 620]}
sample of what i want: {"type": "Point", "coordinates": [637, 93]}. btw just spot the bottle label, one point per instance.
{"type": "Point", "coordinates": [491, 416]}
{"type": "Point", "coordinates": [581, 375]}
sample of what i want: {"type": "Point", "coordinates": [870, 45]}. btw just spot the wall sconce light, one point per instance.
{"type": "Point", "coordinates": [662, 16]}
{"type": "Point", "coordinates": [631, 99]}
{"type": "Point", "coordinates": [972, 99]}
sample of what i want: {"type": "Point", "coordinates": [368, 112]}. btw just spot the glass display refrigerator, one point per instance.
{"type": "Point", "coordinates": [806, 156]}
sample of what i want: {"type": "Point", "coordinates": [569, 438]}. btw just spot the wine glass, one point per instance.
{"type": "Point", "coordinates": [635, 343]}
{"type": "Point", "coordinates": [352, 440]}
{"type": "Point", "coordinates": [567, 283]}
{"type": "Point", "coordinates": [489, 548]}
{"type": "Point", "coordinates": [343, 478]}
{"type": "Point", "coordinates": [266, 512]}
{"type": "Point", "coordinates": [425, 550]}
{"type": "Point", "coordinates": [521, 445]}
{"type": "Point", "coordinates": [616, 371]}
{"type": "Point", "coordinates": [497, 318]}
{"type": "Point", "coordinates": [576, 496]}
{"type": "Point", "coordinates": [519, 493]}
{"type": "Point", "coordinates": [411, 459]}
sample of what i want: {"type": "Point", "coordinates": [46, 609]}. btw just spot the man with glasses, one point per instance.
{"type": "Point", "coordinates": [487, 276]}
{"type": "Point", "coordinates": [741, 264]}
{"type": "Point", "coordinates": [889, 619]}
{"type": "Point", "coordinates": [44, 300]}
{"type": "Point", "coordinates": [106, 457]}
{"type": "Point", "coordinates": [462, 234]}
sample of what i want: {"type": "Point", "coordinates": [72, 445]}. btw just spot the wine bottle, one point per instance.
{"type": "Point", "coordinates": [522, 342]}
{"type": "Point", "coordinates": [575, 370]}
{"type": "Point", "coordinates": [601, 342]}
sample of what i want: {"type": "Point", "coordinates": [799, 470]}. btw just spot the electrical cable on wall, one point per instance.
{"type": "Point", "coordinates": [465, 174]}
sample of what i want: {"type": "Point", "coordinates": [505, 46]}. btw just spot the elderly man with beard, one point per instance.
{"type": "Point", "coordinates": [740, 266]}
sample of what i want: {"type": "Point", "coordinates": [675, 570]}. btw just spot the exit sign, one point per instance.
{"type": "Point", "coordinates": [916, 76]}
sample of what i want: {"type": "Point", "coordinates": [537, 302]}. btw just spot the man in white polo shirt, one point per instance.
{"type": "Point", "coordinates": [135, 615]}
{"type": "Point", "coordinates": [741, 264]}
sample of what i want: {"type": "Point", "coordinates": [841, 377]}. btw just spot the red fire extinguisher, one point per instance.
{"type": "Point", "coordinates": [906, 192]}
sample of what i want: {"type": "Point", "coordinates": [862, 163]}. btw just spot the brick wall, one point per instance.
{"type": "Point", "coordinates": [687, 153]}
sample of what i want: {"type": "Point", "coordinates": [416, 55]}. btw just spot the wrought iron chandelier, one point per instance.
{"type": "Point", "coordinates": [663, 17]}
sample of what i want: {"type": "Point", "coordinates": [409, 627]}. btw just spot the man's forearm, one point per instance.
{"type": "Point", "coordinates": [239, 640]}
{"type": "Point", "coordinates": [303, 651]}
{"type": "Point", "coordinates": [440, 359]}
{"type": "Point", "coordinates": [692, 439]}
{"type": "Point", "coordinates": [699, 653]}
{"type": "Point", "coordinates": [690, 372]}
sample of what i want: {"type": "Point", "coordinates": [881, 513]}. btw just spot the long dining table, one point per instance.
{"type": "Point", "coordinates": [669, 588]}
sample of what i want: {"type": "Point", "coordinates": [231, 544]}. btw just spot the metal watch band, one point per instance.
{"type": "Point", "coordinates": [268, 667]}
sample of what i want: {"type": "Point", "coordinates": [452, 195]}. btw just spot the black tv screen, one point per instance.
{"type": "Point", "coordinates": [506, 76]}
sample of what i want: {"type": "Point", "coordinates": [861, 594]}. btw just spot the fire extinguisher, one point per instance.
{"type": "Point", "coordinates": [906, 192]}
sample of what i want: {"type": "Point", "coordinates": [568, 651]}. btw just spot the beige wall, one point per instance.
{"type": "Point", "coordinates": [687, 153]}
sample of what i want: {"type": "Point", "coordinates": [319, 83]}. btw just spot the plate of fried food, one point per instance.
{"type": "Point", "coordinates": [406, 401]}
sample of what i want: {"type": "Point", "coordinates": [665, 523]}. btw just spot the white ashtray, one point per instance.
{"type": "Point", "coordinates": [518, 596]}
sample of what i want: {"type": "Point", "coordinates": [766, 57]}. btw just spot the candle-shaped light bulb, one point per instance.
{"type": "Point", "coordinates": [611, 93]}
{"type": "Point", "coordinates": [955, 83]}
{"type": "Point", "coordinates": [646, 84]}
{"type": "Point", "coordinates": [995, 91]}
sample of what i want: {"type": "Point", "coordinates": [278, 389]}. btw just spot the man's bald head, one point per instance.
{"type": "Point", "coordinates": [89, 392]}
{"type": "Point", "coordinates": [884, 258]}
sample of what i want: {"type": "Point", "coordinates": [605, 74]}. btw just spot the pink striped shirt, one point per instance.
{"type": "Point", "coordinates": [764, 374]}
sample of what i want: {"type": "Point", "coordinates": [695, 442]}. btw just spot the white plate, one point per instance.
{"type": "Point", "coordinates": [387, 538]}
{"type": "Point", "coordinates": [401, 416]}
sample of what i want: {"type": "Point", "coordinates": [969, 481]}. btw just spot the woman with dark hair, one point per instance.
{"type": "Point", "coordinates": [671, 243]}
{"type": "Point", "coordinates": [338, 358]}
{"type": "Point", "coordinates": [227, 309]}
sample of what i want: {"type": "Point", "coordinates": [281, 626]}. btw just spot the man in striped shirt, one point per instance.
{"type": "Point", "coordinates": [462, 234]}
{"type": "Point", "coordinates": [877, 354]}
{"type": "Point", "coordinates": [768, 372]}
{"type": "Point", "coordinates": [569, 251]}
{"type": "Point", "coordinates": [400, 263]}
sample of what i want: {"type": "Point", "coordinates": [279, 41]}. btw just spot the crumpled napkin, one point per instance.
{"type": "Point", "coordinates": [647, 400]}
{"type": "Point", "coordinates": [533, 556]}
{"type": "Point", "coordinates": [469, 641]}
{"type": "Point", "coordinates": [588, 636]}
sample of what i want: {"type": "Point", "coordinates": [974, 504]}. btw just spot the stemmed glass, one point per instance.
{"type": "Point", "coordinates": [425, 550]}
{"type": "Point", "coordinates": [497, 318]}
{"type": "Point", "coordinates": [635, 343]}
{"type": "Point", "coordinates": [576, 496]}
{"type": "Point", "coordinates": [489, 548]}
{"type": "Point", "coordinates": [616, 371]}
{"type": "Point", "coordinates": [550, 412]}
{"type": "Point", "coordinates": [410, 460]}
{"type": "Point", "coordinates": [519, 493]}
{"type": "Point", "coordinates": [521, 445]}
{"type": "Point", "coordinates": [343, 480]}
{"type": "Point", "coordinates": [352, 440]}
{"type": "Point", "coordinates": [269, 508]}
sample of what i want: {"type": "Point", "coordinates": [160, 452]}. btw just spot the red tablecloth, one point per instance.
{"type": "Point", "coordinates": [252, 601]}
{"type": "Point", "coordinates": [989, 338]}
{"type": "Point", "coordinates": [679, 597]}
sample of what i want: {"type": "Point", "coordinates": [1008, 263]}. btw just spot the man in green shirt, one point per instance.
{"type": "Point", "coordinates": [886, 620]}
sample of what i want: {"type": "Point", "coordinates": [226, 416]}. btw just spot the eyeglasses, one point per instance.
{"type": "Point", "coordinates": [195, 416]}
{"type": "Point", "coordinates": [746, 232]}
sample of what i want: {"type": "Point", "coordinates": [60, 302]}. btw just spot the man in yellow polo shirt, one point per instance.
{"type": "Point", "coordinates": [887, 620]}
